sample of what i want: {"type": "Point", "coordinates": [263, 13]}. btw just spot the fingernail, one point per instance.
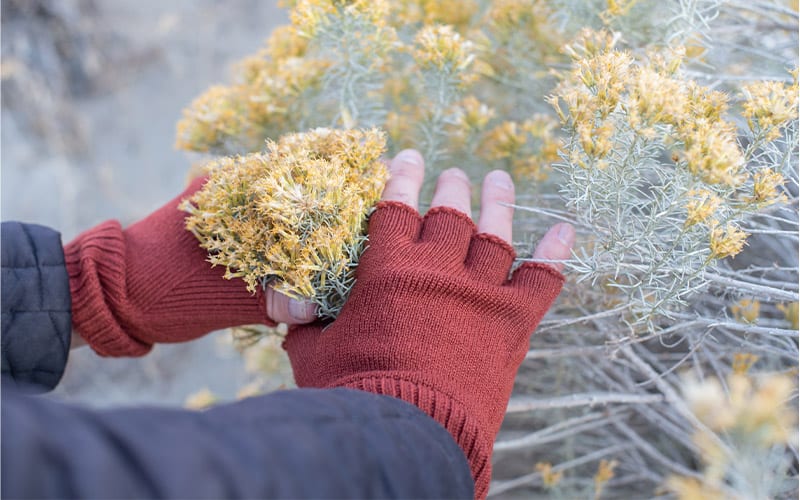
{"type": "Point", "coordinates": [409, 156]}
{"type": "Point", "coordinates": [456, 172]}
{"type": "Point", "coordinates": [301, 311]}
{"type": "Point", "coordinates": [565, 233]}
{"type": "Point", "coordinates": [501, 179]}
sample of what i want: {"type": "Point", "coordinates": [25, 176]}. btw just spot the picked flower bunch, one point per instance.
{"type": "Point", "coordinates": [294, 216]}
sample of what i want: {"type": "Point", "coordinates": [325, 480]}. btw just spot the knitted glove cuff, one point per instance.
{"type": "Point", "coordinates": [468, 433]}
{"type": "Point", "coordinates": [96, 267]}
{"type": "Point", "coordinates": [123, 303]}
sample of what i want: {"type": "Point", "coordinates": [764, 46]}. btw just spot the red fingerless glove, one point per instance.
{"type": "Point", "coordinates": [151, 283]}
{"type": "Point", "coordinates": [434, 320]}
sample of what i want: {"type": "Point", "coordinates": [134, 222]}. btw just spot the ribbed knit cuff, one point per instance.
{"type": "Point", "coordinates": [95, 263]}
{"type": "Point", "coordinates": [451, 414]}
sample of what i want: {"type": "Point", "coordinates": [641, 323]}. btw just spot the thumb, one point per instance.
{"type": "Point", "coordinates": [283, 309]}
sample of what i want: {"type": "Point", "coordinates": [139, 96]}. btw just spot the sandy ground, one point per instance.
{"type": "Point", "coordinates": [131, 168]}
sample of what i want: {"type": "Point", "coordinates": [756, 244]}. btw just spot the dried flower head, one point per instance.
{"type": "Point", "coordinates": [293, 216]}
{"type": "Point", "coordinates": [550, 478]}
{"type": "Point", "coordinates": [604, 474]}
{"type": "Point", "coordinates": [757, 409]}
{"type": "Point", "coordinates": [746, 310]}
{"type": "Point", "coordinates": [441, 48]}
{"type": "Point", "coordinates": [201, 400]}
{"type": "Point", "coordinates": [726, 242]}
{"type": "Point", "coordinates": [312, 15]}
{"type": "Point", "coordinates": [767, 187]}
{"type": "Point", "coordinates": [701, 206]}
{"type": "Point", "coordinates": [769, 106]}
{"type": "Point", "coordinates": [791, 313]}
{"type": "Point", "coordinates": [504, 141]}
{"type": "Point", "coordinates": [742, 362]}
{"type": "Point", "coordinates": [212, 119]}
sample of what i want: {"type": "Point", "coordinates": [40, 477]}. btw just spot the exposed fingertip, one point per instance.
{"type": "Point", "coordinates": [302, 312]}
{"type": "Point", "coordinates": [499, 178]}
{"type": "Point", "coordinates": [409, 157]}
{"type": "Point", "coordinates": [556, 245]}
{"type": "Point", "coordinates": [565, 234]}
{"type": "Point", "coordinates": [456, 172]}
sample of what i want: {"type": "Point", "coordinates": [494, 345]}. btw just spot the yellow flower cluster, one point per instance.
{"type": "Point", "coordinates": [456, 13]}
{"type": "Point", "coordinates": [529, 147]}
{"type": "Point", "coordinates": [656, 104]}
{"type": "Point", "coordinates": [270, 85]}
{"type": "Point", "coordinates": [767, 187]}
{"type": "Point", "coordinates": [751, 417]}
{"type": "Point", "coordinates": [441, 48]}
{"type": "Point", "coordinates": [311, 15]}
{"type": "Point", "coordinates": [758, 409]}
{"type": "Point", "coordinates": [746, 310]}
{"type": "Point", "coordinates": [742, 362]}
{"type": "Point", "coordinates": [604, 474]}
{"type": "Point", "coordinates": [701, 206]}
{"type": "Point", "coordinates": [510, 19]}
{"type": "Point", "coordinates": [550, 478]}
{"type": "Point", "coordinates": [293, 216]}
{"type": "Point", "coordinates": [768, 106]}
{"type": "Point", "coordinates": [726, 242]}
{"type": "Point", "coordinates": [791, 313]}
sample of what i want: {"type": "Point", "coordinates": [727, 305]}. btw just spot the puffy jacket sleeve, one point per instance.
{"type": "Point", "coordinates": [309, 443]}
{"type": "Point", "coordinates": [36, 321]}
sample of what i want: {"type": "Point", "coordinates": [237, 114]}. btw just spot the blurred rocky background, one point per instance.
{"type": "Point", "coordinates": [91, 92]}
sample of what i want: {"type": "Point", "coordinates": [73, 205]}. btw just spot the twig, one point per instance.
{"type": "Point", "coordinates": [521, 404]}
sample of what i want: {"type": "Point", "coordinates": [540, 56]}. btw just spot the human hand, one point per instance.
{"type": "Point", "coordinates": [152, 283]}
{"type": "Point", "coordinates": [434, 318]}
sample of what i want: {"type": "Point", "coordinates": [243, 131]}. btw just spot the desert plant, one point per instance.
{"type": "Point", "coordinates": [666, 132]}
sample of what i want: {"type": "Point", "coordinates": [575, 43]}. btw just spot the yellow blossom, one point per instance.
{"type": "Point", "coordinates": [201, 400]}
{"type": "Point", "coordinates": [742, 362]}
{"type": "Point", "coordinates": [712, 153]}
{"type": "Point", "coordinates": [605, 472]}
{"type": "Point", "coordinates": [769, 105]}
{"type": "Point", "coordinates": [619, 7]}
{"type": "Point", "coordinates": [756, 409]}
{"type": "Point", "coordinates": [504, 141]}
{"type": "Point", "coordinates": [286, 41]}
{"type": "Point", "coordinates": [790, 313]}
{"type": "Point", "coordinates": [701, 206]}
{"type": "Point", "coordinates": [457, 13]}
{"type": "Point", "coordinates": [689, 488]}
{"type": "Point", "coordinates": [508, 20]}
{"type": "Point", "coordinates": [212, 119]}
{"type": "Point", "coordinates": [746, 310]}
{"type": "Point", "coordinates": [549, 477]}
{"type": "Point", "coordinates": [766, 187]}
{"type": "Point", "coordinates": [590, 43]}
{"type": "Point", "coordinates": [655, 98]}
{"type": "Point", "coordinates": [726, 242]}
{"type": "Point", "coordinates": [441, 48]}
{"type": "Point", "coordinates": [473, 115]}
{"type": "Point", "coordinates": [310, 16]}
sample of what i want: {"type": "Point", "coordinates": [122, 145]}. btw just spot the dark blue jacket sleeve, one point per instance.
{"type": "Point", "coordinates": [36, 319]}
{"type": "Point", "coordinates": [296, 444]}
{"type": "Point", "coordinates": [335, 443]}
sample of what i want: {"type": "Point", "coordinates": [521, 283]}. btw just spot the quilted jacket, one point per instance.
{"type": "Point", "coordinates": [337, 443]}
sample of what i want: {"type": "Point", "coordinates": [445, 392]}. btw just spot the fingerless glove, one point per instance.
{"type": "Point", "coordinates": [435, 320]}
{"type": "Point", "coordinates": [151, 283]}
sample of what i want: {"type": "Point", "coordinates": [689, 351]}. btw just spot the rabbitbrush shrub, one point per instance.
{"type": "Point", "coordinates": [665, 131]}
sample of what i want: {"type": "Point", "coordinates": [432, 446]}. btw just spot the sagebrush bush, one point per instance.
{"type": "Point", "coordinates": [666, 132]}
